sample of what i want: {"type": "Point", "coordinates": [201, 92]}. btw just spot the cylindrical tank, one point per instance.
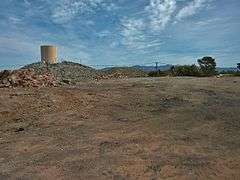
{"type": "Point", "coordinates": [49, 54]}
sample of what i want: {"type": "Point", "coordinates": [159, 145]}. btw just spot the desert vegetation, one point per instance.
{"type": "Point", "coordinates": [206, 68]}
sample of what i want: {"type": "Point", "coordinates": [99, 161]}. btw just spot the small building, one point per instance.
{"type": "Point", "coordinates": [49, 54]}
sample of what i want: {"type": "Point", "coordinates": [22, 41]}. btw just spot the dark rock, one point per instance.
{"type": "Point", "coordinates": [19, 129]}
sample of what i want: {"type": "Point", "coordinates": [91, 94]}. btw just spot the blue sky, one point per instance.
{"type": "Point", "coordinates": [121, 32]}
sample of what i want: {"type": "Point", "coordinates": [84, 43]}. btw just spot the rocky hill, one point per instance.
{"type": "Point", "coordinates": [123, 72]}
{"type": "Point", "coordinates": [72, 73]}
{"type": "Point", "coordinates": [67, 72]}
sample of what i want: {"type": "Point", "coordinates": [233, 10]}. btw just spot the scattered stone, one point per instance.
{"type": "Point", "coordinates": [122, 120]}
{"type": "Point", "coordinates": [19, 129]}
{"type": "Point", "coordinates": [122, 72]}
{"type": "Point", "coordinates": [220, 75]}
{"type": "Point", "coordinates": [169, 101]}
{"type": "Point", "coordinates": [66, 81]}
{"type": "Point", "coordinates": [26, 78]}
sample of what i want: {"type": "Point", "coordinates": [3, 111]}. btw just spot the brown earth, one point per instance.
{"type": "Point", "coordinates": [146, 128]}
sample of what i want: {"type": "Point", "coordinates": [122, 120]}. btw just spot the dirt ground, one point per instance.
{"type": "Point", "coordinates": [146, 128]}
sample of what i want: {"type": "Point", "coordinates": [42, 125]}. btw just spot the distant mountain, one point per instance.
{"type": "Point", "coordinates": [168, 67]}
{"type": "Point", "coordinates": [221, 69]}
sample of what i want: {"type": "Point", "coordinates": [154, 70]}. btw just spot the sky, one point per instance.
{"type": "Point", "coordinates": [121, 32]}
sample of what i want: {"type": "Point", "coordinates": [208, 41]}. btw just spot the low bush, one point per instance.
{"type": "Point", "coordinates": [186, 70]}
{"type": "Point", "coordinates": [159, 73]}
{"type": "Point", "coordinates": [231, 73]}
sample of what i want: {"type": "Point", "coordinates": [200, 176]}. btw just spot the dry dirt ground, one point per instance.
{"type": "Point", "coordinates": [150, 128]}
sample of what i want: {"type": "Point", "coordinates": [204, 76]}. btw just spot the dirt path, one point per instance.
{"type": "Point", "coordinates": [158, 128]}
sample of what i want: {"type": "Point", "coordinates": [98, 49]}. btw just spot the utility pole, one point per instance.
{"type": "Point", "coordinates": [156, 66]}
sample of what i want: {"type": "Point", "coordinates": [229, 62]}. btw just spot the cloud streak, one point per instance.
{"type": "Point", "coordinates": [136, 31]}
{"type": "Point", "coordinates": [156, 17]}
{"type": "Point", "coordinates": [190, 9]}
{"type": "Point", "coordinates": [98, 30]}
{"type": "Point", "coordinates": [66, 10]}
{"type": "Point", "coordinates": [160, 12]}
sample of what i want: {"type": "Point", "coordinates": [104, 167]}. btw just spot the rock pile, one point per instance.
{"type": "Point", "coordinates": [123, 72]}
{"type": "Point", "coordinates": [72, 73]}
{"type": "Point", "coordinates": [67, 72]}
{"type": "Point", "coordinates": [42, 75]}
{"type": "Point", "coordinates": [26, 78]}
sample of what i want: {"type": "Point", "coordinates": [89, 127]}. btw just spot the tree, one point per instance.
{"type": "Point", "coordinates": [207, 65]}
{"type": "Point", "coordinates": [238, 66]}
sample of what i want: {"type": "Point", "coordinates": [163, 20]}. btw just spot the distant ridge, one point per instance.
{"type": "Point", "coordinates": [221, 69]}
{"type": "Point", "coordinates": [168, 67]}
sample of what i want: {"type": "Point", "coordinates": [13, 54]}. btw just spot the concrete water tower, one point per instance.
{"type": "Point", "coordinates": [49, 54]}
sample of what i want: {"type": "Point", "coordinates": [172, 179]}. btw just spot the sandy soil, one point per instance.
{"type": "Point", "coordinates": [156, 128]}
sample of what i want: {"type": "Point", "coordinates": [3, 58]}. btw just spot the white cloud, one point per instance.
{"type": "Point", "coordinates": [66, 10]}
{"type": "Point", "coordinates": [135, 37]}
{"type": "Point", "coordinates": [26, 2]}
{"type": "Point", "coordinates": [191, 9]}
{"type": "Point", "coordinates": [208, 22]}
{"type": "Point", "coordinates": [138, 33]}
{"type": "Point", "coordinates": [104, 33]}
{"type": "Point", "coordinates": [160, 12]}
{"type": "Point", "coordinates": [110, 6]}
{"type": "Point", "coordinates": [132, 33]}
{"type": "Point", "coordinates": [20, 44]}
{"type": "Point", "coordinates": [15, 20]}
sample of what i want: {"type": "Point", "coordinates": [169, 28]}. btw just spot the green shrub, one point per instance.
{"type": "Point", "coordinates": [231, 73]}
{"type": "Point", "coordinates": [207, 67]}
{"type": "Point", "coordinates": [238, 66]}
{"type": "Point", "coordinates": [186, 70]}
{"type": "Point", "coordinates": [236, 73]}
{"type": "Point", "coordinates": [158, 73]}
